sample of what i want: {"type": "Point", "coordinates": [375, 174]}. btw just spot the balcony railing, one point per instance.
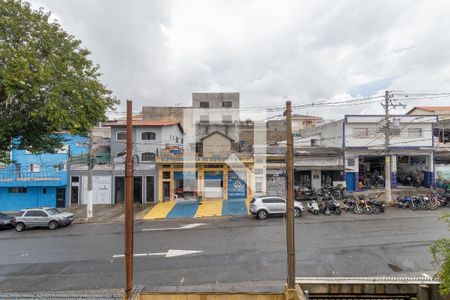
{"type": "Point", "coordinates": [10, 176]}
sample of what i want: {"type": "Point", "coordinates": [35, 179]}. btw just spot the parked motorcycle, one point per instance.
{"type": "Point", "coordinates": [323, 207]}
{"type": "Point", "coordinates": [349, 204]}
{"type": "Point", "coordinates": [313, 207]}
{"type": "Point", "coordinates": [406, 202]}
{"type": "Point", "coordinates": [376, 205]}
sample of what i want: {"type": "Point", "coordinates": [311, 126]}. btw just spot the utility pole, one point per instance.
{"type": "Point", "coordinates": [90, 171]}
{"type": "Point", "coordinates": [290, 236]}
{"type": "Point", "coordinates": [129, 214]}
{"type": "Point", "coordinates": [388, 103]}
{"type": "Point", "coordinates": [387, 164]}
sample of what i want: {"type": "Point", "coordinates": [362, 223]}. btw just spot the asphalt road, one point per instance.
{"type": "Point", "coordinates": [237, 253]}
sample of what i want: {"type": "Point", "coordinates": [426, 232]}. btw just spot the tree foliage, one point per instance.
{"type": "Point", "coordinates": [440, 251]}
{"type": "Point", "coordinates": [47, 82]}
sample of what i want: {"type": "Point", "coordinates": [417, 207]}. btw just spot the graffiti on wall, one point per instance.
{"type": "Point", "coordinates": [237, 187]}
{"type": "Point", "coordinates": [442, 176]}
{"type": "Point", "coordinates": [276, 184]}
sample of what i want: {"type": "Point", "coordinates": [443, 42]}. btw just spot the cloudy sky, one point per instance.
{"type": "Point", "coordinates": [159, 52]}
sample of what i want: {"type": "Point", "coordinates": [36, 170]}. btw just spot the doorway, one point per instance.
{"type": "Point", "coordinates": [137, 189]}
{"type": "Point", "coordinates": [166, 191]}
{"type": "Point", "coordinates": [74, 190]}
{"type": "Point", "coordinates": [150, 187]}
{"type": "Point", "coordinates": [119, 189]}
{"type": "Point", "coordinates": [60, 197]}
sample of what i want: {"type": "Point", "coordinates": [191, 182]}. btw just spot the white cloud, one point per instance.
{"type": "Point", "coordinates": [159, 52]}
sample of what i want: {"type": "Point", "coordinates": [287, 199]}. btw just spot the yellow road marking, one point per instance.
{"type": "Point", "coordinates": [160, 210]}
{"type": "Point", "coordinates": [209, 208]}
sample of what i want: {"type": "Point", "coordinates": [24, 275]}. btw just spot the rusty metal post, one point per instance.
{"type": "Point", "coordinates": [290, 237]}
{"type": "Point", "coordinates": [129, 204]}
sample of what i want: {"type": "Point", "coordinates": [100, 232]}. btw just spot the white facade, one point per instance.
{"type": "Point", "coordinates": [408, 131]}
{"type": "Point", "coordinates": [362, 137]}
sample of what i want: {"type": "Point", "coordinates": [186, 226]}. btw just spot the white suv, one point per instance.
{"type": "Point", "coordinates": [262, 207]}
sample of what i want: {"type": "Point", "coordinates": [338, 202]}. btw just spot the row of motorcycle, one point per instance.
{"type": "Point", "coordinates": [432, 201]}
{"type": "Point", "coordinates": [325, 201]}
{"type": "Point", "coordinates": [328, 205]}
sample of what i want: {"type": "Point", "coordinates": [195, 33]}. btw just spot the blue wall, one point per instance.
{"type": "Point", "coordinates": [48, 176]}
{"type": "Point", "coordinates": [35, 197]}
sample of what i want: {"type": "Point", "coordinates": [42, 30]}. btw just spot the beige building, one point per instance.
{"type": "Point", "coordinates": [216, 144]}
{"type": "Point", "coordinates": [443, 112]}
{"type": "Point", "coordinates": [276, 129]}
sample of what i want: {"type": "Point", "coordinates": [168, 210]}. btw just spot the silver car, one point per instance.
{"type": "Point", "coordinates": [42, 217]}
{"type": "Point", "coordinates": [262, 207]}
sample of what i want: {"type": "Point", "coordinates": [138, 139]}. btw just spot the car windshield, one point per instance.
{"type": "Point", "coordinates": [53, 211]}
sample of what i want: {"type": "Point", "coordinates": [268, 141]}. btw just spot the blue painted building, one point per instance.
{"type": "Point", "coordinates": [39, 180]}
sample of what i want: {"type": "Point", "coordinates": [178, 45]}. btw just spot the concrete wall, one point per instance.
{"type": "Point", "coordinates": [215, 99]}
{"type": "Point", "coordinates": [328, 135]}
{"type": "Point", "coordinates": [158, 113]}
{"type": "Point", "coordinates": [216, 144]}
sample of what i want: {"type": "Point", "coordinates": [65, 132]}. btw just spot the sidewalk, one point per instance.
{"type": "Point", "coordinates": [194, 209]}
{"type": "Point", "coordinates": [106, 213]}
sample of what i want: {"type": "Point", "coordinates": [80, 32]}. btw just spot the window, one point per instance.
{"type": "Point", "coordinates": [166, 175]}
{"type": "Point", "coordinates": [35, 213]}
{"type": "Point", "coordinates": [227, 104]}
{"type": "Point", "coordinates": [121, 136]}
{"type": "Point", "coordinates": [204, 104]}
{"type": "Point", "coordinates": [227, 119]}
{"type": "Point", "coordinates": [17, 190]}
{"type": "Point", "coordinates": [361, 132]}
{"type": "Point", "coordinates": [259, 171]}
{"type": "Point", "coordinates": [31, 213]}
{"type": "Point", "coordinates": [351, 162]}
{"type": "Point", "coordinates": [415, 132]}
{"type": "Point", "coordinates": [35, 168]}
{"type": "Point", "coordinates": [148, 135]}
{"type": "Point", "coordinates": [204, 119]}
{"type": "Point", "coordinates": [148, 156]}
{"type": "Point", "coordinates": [64, 149]}
{"type": "Point", "coordinates": [59, 167]}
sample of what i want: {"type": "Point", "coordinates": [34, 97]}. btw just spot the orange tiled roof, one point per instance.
{"type": "Point", "coordinates": [434, 108]}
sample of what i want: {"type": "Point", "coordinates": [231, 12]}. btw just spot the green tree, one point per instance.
{"type": "Point", "coordinates": [440, 251]}
{"type": "Point", "coordinates": [47, 82]}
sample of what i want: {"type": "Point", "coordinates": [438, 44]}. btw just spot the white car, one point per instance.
{"type": "Point", "coordinates": [262, 207]}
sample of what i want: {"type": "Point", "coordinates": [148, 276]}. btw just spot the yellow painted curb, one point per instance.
{"type": "Point", "coordinates": [247, 203]}
{"type": "Point", "coordinates": [160, 210]}
{"type": "Point", "coordinates": [209, 208]}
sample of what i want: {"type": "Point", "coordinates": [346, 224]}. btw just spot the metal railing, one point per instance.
{"type": "Point", "coordinates": [9, 176]}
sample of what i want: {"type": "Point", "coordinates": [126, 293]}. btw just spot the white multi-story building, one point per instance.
{"type": "Point", "coordinates": [363, 142]}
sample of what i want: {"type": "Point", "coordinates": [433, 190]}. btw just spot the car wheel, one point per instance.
{"type": "Point", "coordinates": [262, 214]}
{"type": "Point", "coordinates": [52, 225]}
{"type": "Point", "coordinates": [20, 227]}
{"type": "Point", "coordinates": [297, 212]}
